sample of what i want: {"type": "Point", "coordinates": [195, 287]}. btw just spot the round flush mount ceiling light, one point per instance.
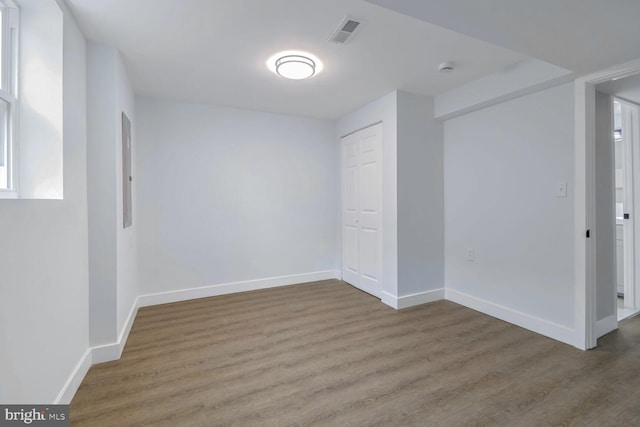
{"type": "Point", "coordinates": [294, 65]}
{"type": "Point", "coordinates": [446, 67]}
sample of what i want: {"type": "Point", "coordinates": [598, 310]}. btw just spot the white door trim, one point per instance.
{"type": "Point", "coordinates": [584, 154]}
{"type": "Point", "coordinates": [631, 157]}
{"type": "Point", "coordinates": [368, 283]}
{"type": "Point", "coordinates": [635, 143]}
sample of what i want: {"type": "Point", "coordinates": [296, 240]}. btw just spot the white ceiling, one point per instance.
{"type": "Point", "coordinates": [214, 51]}
{"type": "Point", "coordinates": [627, 88]}
{"type": "Point", "coordinates": [580, 35]}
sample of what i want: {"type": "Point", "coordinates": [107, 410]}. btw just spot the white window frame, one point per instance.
{"type": "Point", "coordinates": [9, 92]}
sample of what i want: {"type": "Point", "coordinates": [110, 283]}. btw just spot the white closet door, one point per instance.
{"type": "Point", "coordinates": [361, 209]}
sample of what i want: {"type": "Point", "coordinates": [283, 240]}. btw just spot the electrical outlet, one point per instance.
{"type": "Point", "coordinates": [471, 254]}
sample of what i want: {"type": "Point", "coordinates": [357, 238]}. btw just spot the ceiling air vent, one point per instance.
{"type": "Point", "coordinates": [345, 30]}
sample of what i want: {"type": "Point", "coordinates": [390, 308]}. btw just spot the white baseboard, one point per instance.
{"type": "Point", "coordinates": [75, 379]}
{"type": "Point", "coordinates": [232, 288]}
{"type": "Point", "coordinates": [606, 325]}
{"type": "Point", "coordinates": [113, 351]}
{"type": "Point", "coordinates": [411, 300]}
{"type": "Point", "coordinates": [532, 323]}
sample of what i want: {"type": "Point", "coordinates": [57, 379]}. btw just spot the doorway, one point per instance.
{"type": "Point", "coordinates": [589, 324]}
{"type": "Point", "coordinates": [627, 165]}
{"type": "Point", "coordinates": [362, 209]}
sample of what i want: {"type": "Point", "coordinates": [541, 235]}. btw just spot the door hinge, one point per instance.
{"type": "Point", "coordinates": [588, 234]}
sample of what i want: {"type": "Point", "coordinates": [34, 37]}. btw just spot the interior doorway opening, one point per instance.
{"type": "Point", "coordinates": [595, 301]}
{"type": "Point", "coordinates": [627, 173]}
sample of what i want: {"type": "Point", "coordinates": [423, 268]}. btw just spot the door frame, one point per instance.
{"type": "Point", "coordinates": [631, 143]}
{"type": "Point", "coordinates": [380, 159]}
{"type": "Point", "coordinates": [585, 206]}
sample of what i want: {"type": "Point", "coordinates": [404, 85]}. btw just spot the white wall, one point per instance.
{"type": "Point", "coordinates": [228, 195]}
{"type": "Point", "coordinates": [43, 259]}
{"type": "Point", "coordinates": [605, 232]}
{"type": "Point", "coordinates": [101, 165]}
{"type": "Point", "coordinates": [40, 151]}
{"type": "Point", "coordinates": [112, 249]}
{"type": "Point", "coordinates": [524, 77]}
{"type": "Point", "coordinates": [383, 110]}
{"type": "Point", "coordinates": [412, 193]}
{"type": "Point", "coordinates": [420, 196]}
{"type": "Point", "coordinates": [502, 166]}
{"type": "Point", "coordinates": [126, 238]}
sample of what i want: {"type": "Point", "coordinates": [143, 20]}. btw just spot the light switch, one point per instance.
{"type": "Point", "coordinates": [561, 189]}
{"type": "Point", "coordinates": [471, 254]}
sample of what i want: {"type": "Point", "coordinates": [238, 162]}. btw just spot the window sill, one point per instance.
{"type": "Point", "coordinates": [8, 194]}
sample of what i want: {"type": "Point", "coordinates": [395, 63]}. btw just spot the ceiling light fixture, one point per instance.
{"type": "Point", "coordinates": [446, 67]}
{"type": "Point", "coordinates": [294, 65]}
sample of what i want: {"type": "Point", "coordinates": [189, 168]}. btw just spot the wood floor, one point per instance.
{"type": "Point", "coordinates": [327, 354]}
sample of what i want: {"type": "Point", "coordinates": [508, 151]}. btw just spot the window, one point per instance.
{"type": "Point", "coordinates": [8, 96]}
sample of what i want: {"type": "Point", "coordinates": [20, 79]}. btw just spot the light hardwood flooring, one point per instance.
{"type": "Point", "coordinates": [327, 354]}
